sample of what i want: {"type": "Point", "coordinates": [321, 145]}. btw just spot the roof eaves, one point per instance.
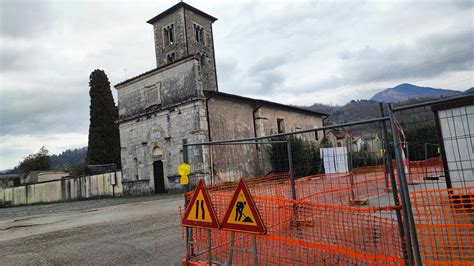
{"type": "Point", "coordinates": [264, 102]}
{"type": "Point", "coordinates": [177, 6]}
{"type": "Point", "coordinates": [153, 70]}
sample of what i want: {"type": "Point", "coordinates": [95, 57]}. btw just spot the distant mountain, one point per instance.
{"type": "Point", "coordinates": [352, 111]}
{"type": "Point", "coordinates": [471, 90]}
{"type": "Point", "coordinates": [406, 91]}
{"type": "Point", "coordinates": [357, 110]}
{"type": "Point", "coordinates": [6, 171]}
{"type": "Point", "coordinates": [68, 158]}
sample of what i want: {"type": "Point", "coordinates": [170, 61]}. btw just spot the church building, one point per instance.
{"type": "Point", "coordinates": [179, 101]}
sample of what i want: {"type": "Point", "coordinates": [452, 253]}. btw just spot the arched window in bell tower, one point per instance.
{"type": "Point", "coordinates": [198, 33]}
{"type": "Point", "coordinates": [168, 34]}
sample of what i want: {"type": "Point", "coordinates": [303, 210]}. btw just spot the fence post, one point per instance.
{"type": "Point", "coordinates": [186, 190]}
{"type": "Point", "coordinates": [388, 158]}
{"type": "Point", "coordinates": [290, 168]}
{"type": "Point", "coordinates": [255, 258]}
{"type": "Point", "coordinates": [186, 160]}
{"type": "Point", "coordinates": [412, 238]}
{"type": "Point", "coordinates": [231, 251]}
{"type": "Point", "coordinates": [209, 246]}
{"type": "Point", "coordinates": [425, 166]}
{"type": "Point", "coordinates": [410, 177]}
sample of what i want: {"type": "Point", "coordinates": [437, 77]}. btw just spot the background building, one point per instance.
{"type": "Point", "coordinates": [43, 176]}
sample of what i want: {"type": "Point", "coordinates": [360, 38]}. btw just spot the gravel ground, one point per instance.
{"type": "Point", "coordinates": [120, 231]}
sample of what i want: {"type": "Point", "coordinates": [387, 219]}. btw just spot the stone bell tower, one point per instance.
{"type": "Point", "coordinates": [183, 31]}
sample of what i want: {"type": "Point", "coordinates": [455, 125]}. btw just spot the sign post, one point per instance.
{"type": "Point", "coordinates": [242, 215]}
{"type": "Point", "coordinates": [200, 213]}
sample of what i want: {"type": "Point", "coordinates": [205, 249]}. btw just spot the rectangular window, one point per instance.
{"type": "Point", "coordinates": [316, 136]}
{"type": "Point", "coordinates": [168, 34]}
{"type": "Point", "coordinates": [281, 125]}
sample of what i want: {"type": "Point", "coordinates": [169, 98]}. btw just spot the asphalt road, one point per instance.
{"type": "Point", "coordinates": [112, 231]}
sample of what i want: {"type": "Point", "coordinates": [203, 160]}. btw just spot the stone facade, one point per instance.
{"type": "Point", "coordinates": [178, 101]}
{"type": "Point", "coordinates": [191, 31]}
{"type": "Point", "coordinates": [154, 129]}
{"type": "Point", "coordinates": [235, 117]}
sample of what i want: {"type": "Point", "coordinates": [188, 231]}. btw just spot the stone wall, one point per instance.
{"type": "Point", "coordinates": [229, 119]}
{"type": "Point", "coordinates": [154, 130]}
{"type": "Point", "coordinates": [205, 50]}
{"type": "Point", "coordinates": [137, 187]}
{"type": "Point", "coordinates": [159, 137]}
{"type": "Point", "coordinates": [160, 89]}
{"type": "Point", "coordinates": [178, 46]}
{"type": "Point", "coordinates": [267, 121]}
{"type": "Point", "coordinates": [234, 119]}
{"type": "Point", "coordinates": [185, 44]}
{"type": "Point", "coordinates": [66, 189]}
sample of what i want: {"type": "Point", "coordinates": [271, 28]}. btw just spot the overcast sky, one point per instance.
{"type": "Point", "coordinates": [294, 52]}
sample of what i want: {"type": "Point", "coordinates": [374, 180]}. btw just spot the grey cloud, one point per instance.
{"type": "Point", "coordinates": [10, 60]}
{"type": "Point", "coordinates": [25, 18]}
{"type": "Point", "coordinates": [16, 58]}
{"type": "Point", "coordinates": [429, 57]}
{"type": "Point", "coordinates": [269, 82]}
{"type": "Point", "coordinates": [227, 66]}
{"type": "Point", "coordinates": [268, 64]}
{"type": "Point", "coordinates": [463, 4]}
{"type": "Point", "coordinates": [43, 111]}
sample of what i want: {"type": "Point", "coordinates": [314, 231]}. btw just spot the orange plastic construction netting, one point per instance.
{"type": "Point", "coordinates": [346, 218]}
{"type": "Point", "coordinates": [445, 225]}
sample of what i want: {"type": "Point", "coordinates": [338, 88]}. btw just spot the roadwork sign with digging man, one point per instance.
{"type": "Point", "coordinates": [242, 214]}
{"type": "Point", "coordinates": [239, 212]}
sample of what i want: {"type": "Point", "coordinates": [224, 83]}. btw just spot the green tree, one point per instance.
{"type": "Point", "coordinates": [361, 158]}
{"type": "Point", "coordinates": [305, 155]}
{"type": "Point", "coordinates": [417, 137]}
{"type": "Point", "coordinates": [78, 169]}
{"type": "Point", "coordinates": [104, 139]}
{"type": "Point", "coordinates": [35, 161]}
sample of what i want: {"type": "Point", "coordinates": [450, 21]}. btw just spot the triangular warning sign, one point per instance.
{"type": "Point", "coordinates": [242, 214]}
{"type": "Point", "coordinates": [200, 212]}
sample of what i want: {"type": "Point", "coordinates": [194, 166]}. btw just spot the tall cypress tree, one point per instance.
{"type": "Point", "coordinates": [104, 138]}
